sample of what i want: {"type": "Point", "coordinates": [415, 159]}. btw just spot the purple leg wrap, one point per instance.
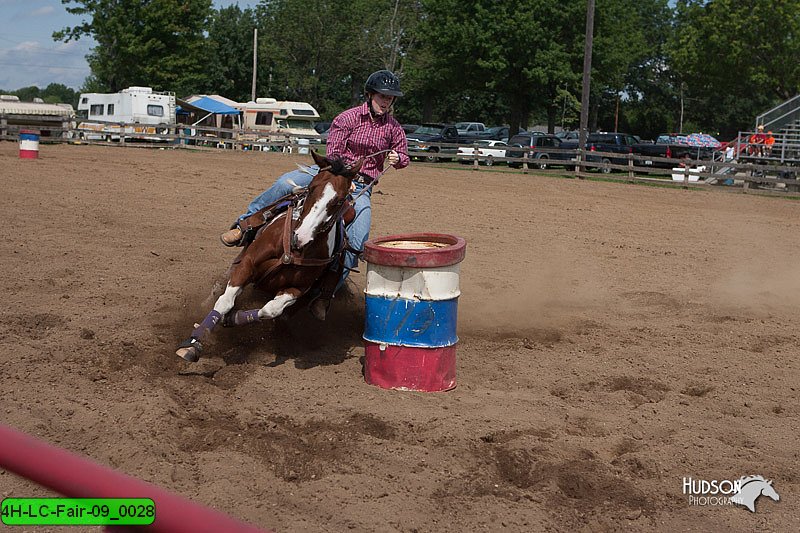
{"type": "Point", "coordinates": [208, 323]}
{"type": "Point", "coordinates": [241, 318]}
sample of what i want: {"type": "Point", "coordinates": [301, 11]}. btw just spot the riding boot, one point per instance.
{"type": "Point", "coordinates": [232, 237]}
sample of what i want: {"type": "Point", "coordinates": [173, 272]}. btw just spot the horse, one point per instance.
{"type": "Point", "coordinates": [288, 255]}
{"type": "Point", "coordinates": [751, 488]}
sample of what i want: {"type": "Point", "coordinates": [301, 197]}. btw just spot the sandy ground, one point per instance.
{"type": "Point", "coordinates": [614, 339]}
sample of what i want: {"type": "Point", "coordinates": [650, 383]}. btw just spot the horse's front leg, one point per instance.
{"type": "Point", "coordinates": [271, 310]}
{"type": "Point", "coordinates": [190, 348]}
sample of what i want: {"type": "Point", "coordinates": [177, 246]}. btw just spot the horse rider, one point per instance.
{"type": "Point", "coordinates": [358, 132]}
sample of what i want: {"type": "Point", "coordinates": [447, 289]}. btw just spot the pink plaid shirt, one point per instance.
{"type": "Point", "coordinates": [354, 134]}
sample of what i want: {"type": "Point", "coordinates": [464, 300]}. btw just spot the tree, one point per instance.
{"type": "Point", "coordinates": [55, 93]}
{"type": "Point", "coordinates": [737, 59]}
{"type": "Point", "coordinates": [230, 41]}
{"type": "Point", "coordinates": [627, 52]}
{"type": "Point", "coordinates": [521, 52]}
{"type": "Point", "coordinates": [322, 51]}
{"type": "Point", "coordinates": [158, 43]}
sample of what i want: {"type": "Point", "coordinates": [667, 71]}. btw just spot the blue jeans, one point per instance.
{"type": "Point", "coordinates": [357, 230]}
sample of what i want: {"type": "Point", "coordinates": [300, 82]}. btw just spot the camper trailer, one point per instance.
{"type": "Point", "coordinates": [267, 119]}
{"type": "Point", "coordinates": [144, 111]}
{"type": "Point", "coordinates": [51, 120]}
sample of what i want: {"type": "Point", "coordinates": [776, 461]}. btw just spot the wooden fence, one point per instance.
{"type": "Point", "coordinates": [745, 174]}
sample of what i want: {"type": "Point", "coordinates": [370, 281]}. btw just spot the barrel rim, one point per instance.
{"type": "Point", "coordinates": [417, 258]}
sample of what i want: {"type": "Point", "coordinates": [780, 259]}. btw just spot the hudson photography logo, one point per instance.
{"type": "Point", "coordinates": [724, 493]}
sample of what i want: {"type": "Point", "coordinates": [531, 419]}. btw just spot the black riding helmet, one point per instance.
{"type": "Point", "coordinates": [384, 82]}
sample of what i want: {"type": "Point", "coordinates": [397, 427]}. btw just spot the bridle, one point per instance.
{"type": "Point", "coordinates": [342, 203]}
{"type": "Point", "coordinates": [288, 257]}
{"type": "Point", "coordinates": [289, 248]}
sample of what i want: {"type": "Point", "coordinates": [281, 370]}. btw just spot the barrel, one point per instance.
{"type": "Point", "coordinates": [303, 145]}
{"type": "Point", "coordinates": [28, 144]}
{"type": "Point", "coordinates": [411, 311]}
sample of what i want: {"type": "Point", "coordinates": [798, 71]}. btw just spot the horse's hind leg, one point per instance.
{"type": "Point", "coordinates": [272, 309]}
{"type": "Point", "coordinates": [190, 348]}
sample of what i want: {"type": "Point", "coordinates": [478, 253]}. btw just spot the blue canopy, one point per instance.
{"type": "Point", "coordinates": [209, 105]}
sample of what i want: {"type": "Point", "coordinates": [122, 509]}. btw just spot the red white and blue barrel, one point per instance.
{"type": "Point", "coordinates": [28, 144]}
{"type": "Point", "coordinates": [411, 311]}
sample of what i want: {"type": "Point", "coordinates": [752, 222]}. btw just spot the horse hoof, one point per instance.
{"type": "Point", "coordinates": [190, 354]}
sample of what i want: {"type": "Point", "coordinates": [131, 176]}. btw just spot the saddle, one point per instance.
{"type": "Point", "coordinates": [251, 225]}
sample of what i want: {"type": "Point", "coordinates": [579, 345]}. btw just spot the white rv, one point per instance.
{"type": "Point", "coordinates": [143, 110]}
{"type": "Point", "coordinates": [268, 119]}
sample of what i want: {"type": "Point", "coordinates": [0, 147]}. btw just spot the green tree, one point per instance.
{"type": "Point", "coordinates": [650, 103]}
{"type": "Point", "coordinates": [27, 94]}
{"type": "Point", "coordinates": [520, 52]}
{"type": "Point", "coordinates": [158, 43]}
{"type": "Point", "coordinates": [230, 46]}
{"type": "Point", "coordinates": [625, 42]}
{"type": "Point", "coordinates": [737, 59]}
{"type": "Point", "coordinates": [528, 54]}
{"type": "Point", "coordinates": [56, 93]}
{"type": "Point", "coordinates": [322, 51]}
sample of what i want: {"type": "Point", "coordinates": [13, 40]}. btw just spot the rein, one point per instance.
{"type": "Point", "coordinates": [343, 204]}
{"type": "Point", "coordinates": [288, 257]}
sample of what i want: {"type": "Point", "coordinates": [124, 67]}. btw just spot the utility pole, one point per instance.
{"type": "Point", "coordinates": [587, 75]}
{"type": "Point", "coordinates": [255, 57]}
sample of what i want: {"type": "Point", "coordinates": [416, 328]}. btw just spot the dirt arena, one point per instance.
{"type": "Point", "coordinates": [614, 339]}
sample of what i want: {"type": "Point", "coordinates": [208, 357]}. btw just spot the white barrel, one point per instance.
{"type": "Point", "coordinates": [303, 146]}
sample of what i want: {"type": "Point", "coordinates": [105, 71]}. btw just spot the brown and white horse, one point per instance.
{"type": "Point", "coordinates": [287, 256]}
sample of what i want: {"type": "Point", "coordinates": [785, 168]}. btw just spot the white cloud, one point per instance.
{"type": "Point", "coordinates": [26, 46]}
{"type": "Point", "coordinates": [43, 11]}
{"type": "Point", "coordinates": [33, 63]}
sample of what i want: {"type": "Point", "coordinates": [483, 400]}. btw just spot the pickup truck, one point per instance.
{"type": "Point", "coordinates": [615, 143]}
{"type": "Point", "coordinates": [471, 128]}
{"type": "Point", "coordinates": [670, 146]}
{"type": "Point", "coordinates": [436, 139]}
{"type": "Point", "coordinates": [469, 132]}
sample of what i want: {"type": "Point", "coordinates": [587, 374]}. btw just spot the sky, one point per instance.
{"type": "Point", "coordinates": [30, 56]}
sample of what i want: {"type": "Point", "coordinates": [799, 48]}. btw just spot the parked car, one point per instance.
{"type": "Point", "coordinates": [471, 131]}
{"type": "Point", "coordinates": [488, 151]}
{"type": "Point", "coordinates": [435, 140]}
{"type": "Point", "coordinates": [470, 127]}
{"type": "Point", "coordinates": [409, 128]}
{"type": "Point", "coordinates": [543, 150]}
{"type": "Point", "coordinates": [322, 128]}
{"type": "Point", "coordinates": [607, 143]}
{"type": "Point", "coordinates": [500, 133]}
{"type": "Point", "coordinates": [567, 135]}
{"type": "Point", "coordinates": [671, 146]}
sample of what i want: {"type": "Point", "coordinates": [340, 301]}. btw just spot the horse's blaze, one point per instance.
{"type": "Point", "coordinates": [316, 216]}
{"type": "Point", "coordinates": [261, 256]}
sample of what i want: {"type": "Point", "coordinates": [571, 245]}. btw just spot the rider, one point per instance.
{"type": "Point", "coordinates": [355, 133]}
